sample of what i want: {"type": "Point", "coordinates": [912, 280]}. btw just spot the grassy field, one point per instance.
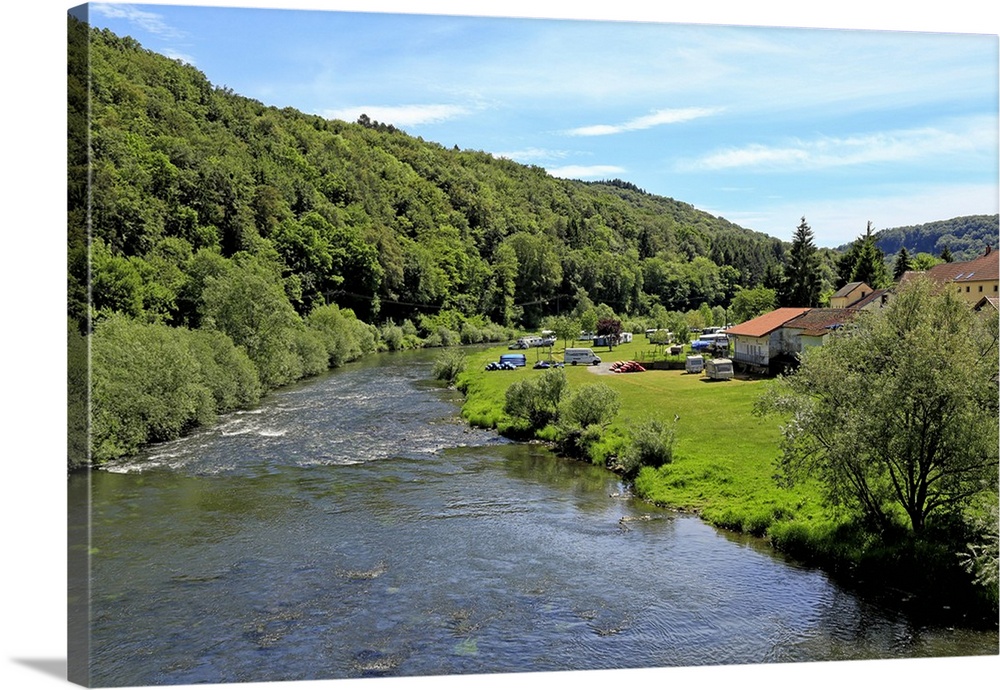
{"type": "Point", "coordinates": [724, 456]}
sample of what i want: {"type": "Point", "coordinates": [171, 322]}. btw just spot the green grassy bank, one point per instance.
{"type": "Point", "coordinates": [723, 467]}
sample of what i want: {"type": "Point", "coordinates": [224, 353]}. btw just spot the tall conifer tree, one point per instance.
{"type": "Point", "coordinates": [801, 287]}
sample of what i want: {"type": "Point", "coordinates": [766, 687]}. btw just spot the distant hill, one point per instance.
{"type": "Point", "coordinates": [966, 237]}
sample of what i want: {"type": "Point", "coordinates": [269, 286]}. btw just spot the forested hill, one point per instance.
{"type": "Point", "coordinates": [965, 237]}
{"type": "Point", "coordinates": [186, 173]}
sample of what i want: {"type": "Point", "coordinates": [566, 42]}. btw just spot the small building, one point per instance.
{"type": "Point", "coordinates": [849, 294]}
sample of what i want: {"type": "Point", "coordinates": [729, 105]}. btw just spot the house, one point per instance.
{"type": "Point", "coordinates": [815, 327]}
{"type": "Point", "coordinates": [972, 280]}
{"type": "Point", "coordinates": [760, 343]}
{"type": "Point", "coordinates": [849, 294]}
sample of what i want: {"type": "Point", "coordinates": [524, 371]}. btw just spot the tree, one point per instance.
{"type": "Point", "coordinates": [902, 265]}
{"type": "Point", "coordinates": [946, 255]}
{"type": "Point", "coordinates": [565, 328]}
{"type": "Point", "coordinates": [536, 400]}
{"type": "Point", "coordinates": [897, 417]}
{"type": "Point", "coordinates": [752, 302]}
{"type": "Point", "coordinates": [864, 262]}
{"type": "Point", "coordinates": [610, 328]}
{"type": "Point", "coordinates": [802, 284]}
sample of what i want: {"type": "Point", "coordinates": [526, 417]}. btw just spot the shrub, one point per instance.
{"type": "Point", "coordinates": [393, 336]}
{"type": "Point", "coordinates": [448, 366]}
{"type": "Point", "coordinates": [652, 446]}
{"type": "Point", "coordinates": [594, 404]}
{"type": "Point", "coordinates": [536, 400]}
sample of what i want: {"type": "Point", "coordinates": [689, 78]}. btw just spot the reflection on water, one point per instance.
{"type": "Point", "coordinates": [353, 526]}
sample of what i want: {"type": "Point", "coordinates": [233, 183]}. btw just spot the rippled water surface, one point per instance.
{"type": "Point", "coordinates": [353, 526]}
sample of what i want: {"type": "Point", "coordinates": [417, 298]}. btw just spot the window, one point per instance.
{"type": "Point", "coordinates": [967, 288]}
{"type": "Point", "coordinates": [980, 288]}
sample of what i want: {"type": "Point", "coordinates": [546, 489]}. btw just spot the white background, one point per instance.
{"type": "Point", "coordinates": [32, 403]}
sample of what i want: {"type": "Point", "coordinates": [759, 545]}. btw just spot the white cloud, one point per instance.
{"type": "Point", "coordinates": [972, 136]}
{"type": "Point", "coordinates": [400, 115]}
{"type": "Point", "coordinates": [667, 116]}
{"type": "Point", "coordinates": [148, 21]}
{"type": "Point", "coordinates": [580, 172]}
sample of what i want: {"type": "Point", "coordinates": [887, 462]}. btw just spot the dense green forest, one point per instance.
{"type": "Point", "coordinates": [220, 247]}
{"type": "Point", "coordinates": [965, 238]}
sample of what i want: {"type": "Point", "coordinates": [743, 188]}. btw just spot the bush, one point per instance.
{"type": "Point", "coordinates": [448, 366]}
{"type": "Point", "coordinates": [652, 446]}
{"type": "Point", "coordinates": [594, 404]}
{"type": "Point", "coordinates": [536, 400]}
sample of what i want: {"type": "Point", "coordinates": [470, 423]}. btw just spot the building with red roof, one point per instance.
{"type": "Point", "coordinates": [760, 342]}
{"type": "Point", "coordinates": [972, 280]}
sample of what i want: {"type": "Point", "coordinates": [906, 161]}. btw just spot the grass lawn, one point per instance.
{"type": "Point", "coordinates": [723, 458]}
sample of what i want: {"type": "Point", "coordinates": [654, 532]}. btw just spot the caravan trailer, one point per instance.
{"type": "Point", "coordinates": [694, 364]}
{"type": "Point", "coordinates": [719, 369]}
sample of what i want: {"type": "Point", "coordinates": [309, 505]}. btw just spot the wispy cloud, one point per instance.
{"type": "Point", "coordinates": [582, 172]}
{"type": "Point", "coordinates": [401, 115]}
{"type": "Point", "coordinates": [148, 21]}
{"type": "Point", "coordinates": [668, 116]}
{"type": "Point", "coordinates": [971, 136]}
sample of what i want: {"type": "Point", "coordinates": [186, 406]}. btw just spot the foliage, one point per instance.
{"type": "Point", "coordinates": [594, 404]}
{"type": "Point", "coordinates": [982, 557]}
{"type": "Point", "coordinates": [750, 303]}
{"type": "Point", "coordinates": [897, 417]}
{"type": "Point", "coordinates": [448, 366]}
{"type": "Point", "coordinates": [611, 328]}
{"type": "Point", "coordinates": [150, 382]}
{"type": "Point", "coordinates": [801, 285]}
{"type": "Point", "coordinates": [536, 400]}
{"type": "Point", "coordinates": [967, 237]}
{"type": "Point", "coordinates": [652, 445]}
{"type": "Point", "coordinates": [902, 265]}
{"type": "Point", "coordinates": [864, 262]}
{"type": "Point", "coordinates": [565, 328]}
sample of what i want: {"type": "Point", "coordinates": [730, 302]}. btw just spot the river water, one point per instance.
{"type": "Point", "coordinates": [353, 526]}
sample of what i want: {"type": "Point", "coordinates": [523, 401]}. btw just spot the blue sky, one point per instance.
{"type": "Point", "coordinates": [758, 125]}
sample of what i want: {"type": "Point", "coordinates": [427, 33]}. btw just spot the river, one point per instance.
{"type": "Point", "coordinates": [353, 526]}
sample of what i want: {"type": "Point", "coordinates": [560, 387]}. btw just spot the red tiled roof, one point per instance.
{"type": "Point", "coordinates": [766, 323]}
{"type": "Point", "coordinates": [986, 267]}
{"type": "Point", "coordinates": [818, 322]}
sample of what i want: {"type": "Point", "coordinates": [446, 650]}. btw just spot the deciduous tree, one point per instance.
{"type": "Point", "coordinates": [897, 417]}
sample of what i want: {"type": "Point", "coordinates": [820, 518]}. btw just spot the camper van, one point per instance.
{"type": "Point", "coordinates": [719, 369]}
{"type": "Point", "coordinates": [580, 355]}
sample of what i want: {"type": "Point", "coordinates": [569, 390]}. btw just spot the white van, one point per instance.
{"type": "Point", "coordinates": [580, 355]}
